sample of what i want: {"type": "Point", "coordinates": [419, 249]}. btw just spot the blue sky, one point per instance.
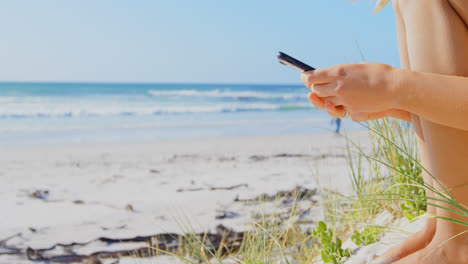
{"type": "Point", "coordinates": [185, 41]}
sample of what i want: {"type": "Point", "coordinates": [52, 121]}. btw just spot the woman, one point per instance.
{"type": "Point", "coordinates": [431, 91]}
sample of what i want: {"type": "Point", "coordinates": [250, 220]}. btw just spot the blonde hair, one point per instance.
{"type": "Point", "coordinates": [380, 4]}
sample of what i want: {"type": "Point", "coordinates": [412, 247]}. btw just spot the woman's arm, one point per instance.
{"type": "Point", "coordinates": [442, 99]}
{"type": "Point", "coordinates": [378, 89]}
{"type": "Point", "coordinates": [363, 89]}
{"type": "Point", "coordinates": [339, 111]}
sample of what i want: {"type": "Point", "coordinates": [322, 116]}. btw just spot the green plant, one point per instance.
{"type": "Point", "coordinates": [385, 176]}
{"type": "Point", "coordinates": [398, 151]}
{"type": "Point", "coordinates": [366, 179]}
{"type": "Point", "coordinates": [408, 183]}
{"type": "Point", "coordinates": [397, 141]}
{"type": "Point", "coordinates": [331, 251]}
{"type": "Point", "coordinates": [368, 236]}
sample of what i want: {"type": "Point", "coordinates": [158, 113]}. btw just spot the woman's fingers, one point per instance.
{"type": "Point", "coordinates": [325, 103]}
{"type": "Point", "coordinates": [325, 89]}
{"type": "Point", "coordinates": [316, 100]}
{"type": "Point", "coordinates": [316, 76]}
{"type": "Point", "coordinates": [333, 99]}
{"type": "Point", "coordinates": [335, 111]}
{"type": "Point", "coordinates": [320, 101]}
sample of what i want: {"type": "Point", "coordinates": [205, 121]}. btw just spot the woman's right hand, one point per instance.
{"type": "Point", "coordinates": [340, 111]}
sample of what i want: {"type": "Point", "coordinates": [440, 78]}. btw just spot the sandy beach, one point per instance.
{"type": "Point", "coordinates": [78, 193]}
{"type": "Point", "coordinates": [128, 128]}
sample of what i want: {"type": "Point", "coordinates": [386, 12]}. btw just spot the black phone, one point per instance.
{"type": "Point", "coordinates": [293, 63]}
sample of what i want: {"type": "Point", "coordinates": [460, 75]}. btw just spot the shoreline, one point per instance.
{"type": "Point", "coordinates": [328, 134]}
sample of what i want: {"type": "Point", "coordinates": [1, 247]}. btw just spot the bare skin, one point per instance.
{"type": "Point", "coordinates": [423, 237]}
{"type": "Point", "coordinates": [433, 95]}
{"type": "Point", "coordinates": [452, 29]}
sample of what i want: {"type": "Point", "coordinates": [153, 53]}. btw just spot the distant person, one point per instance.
{"type": "Point", "coordinates": [337, 122]}
{"type": "Point", "coordinates": [431, 92]}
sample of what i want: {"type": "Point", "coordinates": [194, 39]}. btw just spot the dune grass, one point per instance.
{"type": "Point", "coordinates": [385, 176]}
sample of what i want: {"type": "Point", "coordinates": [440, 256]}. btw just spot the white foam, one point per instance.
{"type": "Point", "coordinates": [227, 94]}
{"type": "Point", "coordinates": [96, 108]}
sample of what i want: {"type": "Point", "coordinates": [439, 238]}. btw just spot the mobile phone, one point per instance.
{"type": "Point", "coordinates": [293, 63]}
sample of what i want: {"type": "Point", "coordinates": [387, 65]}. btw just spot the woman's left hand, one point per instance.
{"type": "Point", "coordinates": [367, 90]}
{"type": "Point", "coordinates": [340, 111]}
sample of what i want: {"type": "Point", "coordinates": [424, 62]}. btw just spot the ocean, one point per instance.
{"type": "Point", "coordinates": [64, 113]}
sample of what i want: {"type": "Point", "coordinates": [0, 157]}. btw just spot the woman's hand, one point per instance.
{"type": "Point", "coordinates": [340, 111]}
{"type": "Point", "coordinates": [367, 90]}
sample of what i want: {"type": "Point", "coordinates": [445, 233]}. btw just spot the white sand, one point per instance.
{"type": "Point", "coordinates": [108, 180]}
{"type": "Point", "coordinates": [395, 234]}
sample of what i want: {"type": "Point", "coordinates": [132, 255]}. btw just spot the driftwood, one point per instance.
{"type": "Point", "coordinates": [7, 250]}
{"type": "Point", "coordinates": [144, 246]}
{"type": "Point", "coordinates": [295, 155]}
{"type": "Point", "coordinates": [298, 193]}
{"type": "Point", "coordinates": [212, 188]}
{"type": "Point", "coordinates": [227, 214]}
{"type": "Point", "coordinates": [223, 239]}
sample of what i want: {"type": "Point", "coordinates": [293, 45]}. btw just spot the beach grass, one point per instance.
{"type": "Point", "coordinates": [386, 177]}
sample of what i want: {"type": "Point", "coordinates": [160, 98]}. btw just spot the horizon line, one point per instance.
{"type": "Point", "coordinates": [142, 83]}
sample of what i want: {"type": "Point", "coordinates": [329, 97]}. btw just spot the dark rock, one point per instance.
{"type": "Point", "coordinates": [40, 194]}
{"type": "Point", "coordinates": [258, 157]}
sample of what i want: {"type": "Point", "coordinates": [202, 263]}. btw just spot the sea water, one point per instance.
{"type": "Point", "coordinates": [63, 113]}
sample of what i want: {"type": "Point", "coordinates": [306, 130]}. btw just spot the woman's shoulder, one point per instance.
{"type": "Point", "coordinates": [459, 6]}
{"type": "Point", "coordinates": [462, 4]}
